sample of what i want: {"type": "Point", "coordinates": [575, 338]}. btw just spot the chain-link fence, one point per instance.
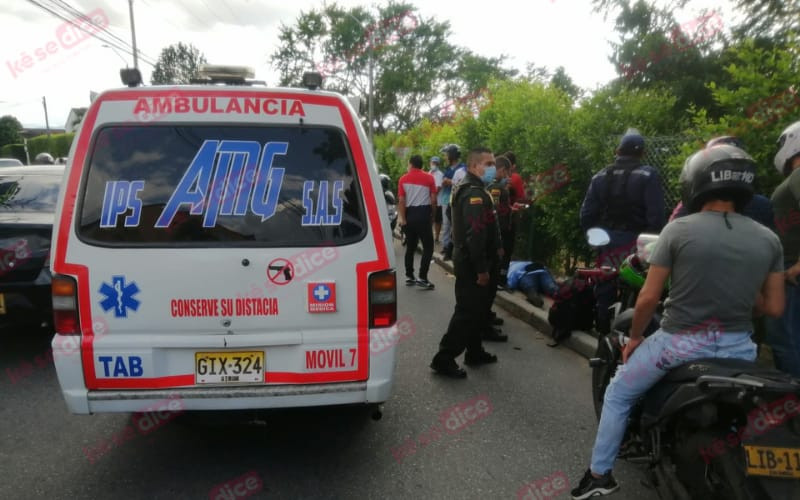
{"type": "Point", "coordinates": [658, 153]}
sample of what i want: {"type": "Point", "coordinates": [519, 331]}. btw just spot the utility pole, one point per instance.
{"type": "Point", "coordinates": [133, 37]}
{"type": "Point", "coordinates": [46, 120]}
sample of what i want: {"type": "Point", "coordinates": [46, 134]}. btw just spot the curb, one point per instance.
{"type": "Point", "coordinates": [518, 306]}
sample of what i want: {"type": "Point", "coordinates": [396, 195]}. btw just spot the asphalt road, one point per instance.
{"type": "Point", "coordinates": [527, 419]}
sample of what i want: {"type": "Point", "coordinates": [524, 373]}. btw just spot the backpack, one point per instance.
{"type": "Point", "coordinates": [573, 309]}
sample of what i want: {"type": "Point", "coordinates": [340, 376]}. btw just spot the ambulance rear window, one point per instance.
{"type": "Point", "coordinates": [221, 186]}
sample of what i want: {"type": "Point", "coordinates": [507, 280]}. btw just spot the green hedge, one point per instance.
{"type": "Point", "coordinates": [14, 151]}
{"type": "Point", "coordinates": [57, 145]}
{"type": "Point", "coordinates": [545, 129]}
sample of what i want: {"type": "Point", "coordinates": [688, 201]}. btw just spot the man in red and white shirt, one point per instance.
{"type": "Point", "coordinates": [416, 207]}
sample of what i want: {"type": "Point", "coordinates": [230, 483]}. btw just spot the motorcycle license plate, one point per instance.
{"type": "Point", "coordinates": [772, 461]}
{"type": "Point", "coordinates": [228, 367]}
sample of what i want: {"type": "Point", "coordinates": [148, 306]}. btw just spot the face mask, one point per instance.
{"type": "Point", "coordinates": [434, 167]}
{"type": "Point", "coordinates": [488, 174]}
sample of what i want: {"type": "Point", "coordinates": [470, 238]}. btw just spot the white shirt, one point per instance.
{"type": "Point", "coordinates": [438, 175]}
{"type": "Point", "coordinates": [460, 174]}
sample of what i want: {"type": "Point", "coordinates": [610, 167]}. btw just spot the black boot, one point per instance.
{"type": "Point", "coordinates": [495, 335]}
{"type": "Point", "coordinates": [447, 366]}
{"type": "Point", "coordinates": [447, 253]}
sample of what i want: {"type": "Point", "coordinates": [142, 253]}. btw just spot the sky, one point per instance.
{"type": "Point", "coordinates": [42, 56]}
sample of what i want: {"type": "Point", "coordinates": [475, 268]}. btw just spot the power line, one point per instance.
{"type": "Point", "coordinates": [165, 18]}
{"type": "Point", "coordinates": [213, 14]}
{"type": "Point", "coordinates": [191, 11]}
{"type": "Point", "coordinates": [73, 11]}
{"type": "Point", "coordinates": [55, 11]}
{"type": "Point", "coordinates": [63, 17]}
{"type": "Point", "coordinates": [233, 14]}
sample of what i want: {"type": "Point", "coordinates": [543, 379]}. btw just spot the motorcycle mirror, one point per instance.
{"type": "Point", "coordinates": [597, 237]}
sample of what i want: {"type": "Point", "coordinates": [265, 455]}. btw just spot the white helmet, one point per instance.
{"type": "Point", "coordinates": [789, 144]}
{"type": "Point", "coordinates": [44, 159]}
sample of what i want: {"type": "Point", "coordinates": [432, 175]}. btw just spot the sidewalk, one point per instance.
{"type": "Point", "coordinates": [516, 304]}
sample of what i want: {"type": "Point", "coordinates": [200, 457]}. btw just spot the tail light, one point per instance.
{"type": "Point", "coordinates": [65, 305]}
{"type": "Point", "coordinates": [382, 299]}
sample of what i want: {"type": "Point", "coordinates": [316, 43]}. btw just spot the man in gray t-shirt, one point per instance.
{"type": "Point", "coordinates": [723, 266]}
{"type": "Point", "coordinates": [715, 272]}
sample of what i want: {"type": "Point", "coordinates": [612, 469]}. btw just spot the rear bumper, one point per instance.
{"type": "Point", "coordinates": [81, 401]}
{"type": "Point", "coordinates": [376, 389]}
{"type": "Point", "coordinates": [231, 398]}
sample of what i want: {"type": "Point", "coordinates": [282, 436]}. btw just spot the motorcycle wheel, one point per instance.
{"type": "Point", "coordinates": [601, 374]}
{"type": "Point", "coordinates": [722, 478]}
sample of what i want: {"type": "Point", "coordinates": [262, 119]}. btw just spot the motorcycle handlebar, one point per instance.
{"type": "Point", "coordinates": [601, 274]}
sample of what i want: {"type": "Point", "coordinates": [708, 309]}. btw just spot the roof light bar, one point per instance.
{"type": "Point", "coordinates": [227, 74]}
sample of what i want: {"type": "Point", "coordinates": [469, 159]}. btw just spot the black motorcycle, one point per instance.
{"type": "Point", "coordinates": [711, 428]}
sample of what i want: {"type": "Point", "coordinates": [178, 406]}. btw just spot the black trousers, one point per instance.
{"type": "Point", "coordinates": [494, 279]}
{"type": "Point", "coordinates": [419, 229]}
{"type": "Point", "coordinates": [471, 316]}
{"type": "Point", "coordinates": [606, 292]}
{"type": "Point", "coordinates": [508, 247]}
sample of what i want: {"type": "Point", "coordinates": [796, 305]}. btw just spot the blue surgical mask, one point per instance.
{"type": "Point", "coordinates": [488, 174]}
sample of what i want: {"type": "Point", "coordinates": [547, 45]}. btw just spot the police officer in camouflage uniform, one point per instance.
{"type": "Point", "coordinates": [476, 254]}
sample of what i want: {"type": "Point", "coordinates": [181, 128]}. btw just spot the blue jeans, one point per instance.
{"type": "Point", "coordinates": [652, 360]}
{"type": "Point", "coordinates": [545, 284]}
{"type": "Point", "coordinates": [445, 234]}
{"type": "Point", "coordinates": [783, 334]}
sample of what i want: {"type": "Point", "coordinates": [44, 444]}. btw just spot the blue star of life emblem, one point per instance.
{"type": "Point", "coordinates": [119, 296]}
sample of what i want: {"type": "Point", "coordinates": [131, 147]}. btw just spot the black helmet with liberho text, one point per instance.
{"type": "Point", "coordinates": [722, 172]}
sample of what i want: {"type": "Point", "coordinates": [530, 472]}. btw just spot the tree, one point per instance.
{"type": "Point", "coordinates": [760, 99]}
{"type": "Point", "coordinates": [177, 64]}
{"type": "Point", "coordinates": [416, 71]}
{"type": "Point", "coordinates": [561, 80]}
{"type": "Point", "coordinates": [655, 52]}
{"type": "Point", "coordinates": [10, 129]}
{"type": "Point", "coordinates": [773, 19]}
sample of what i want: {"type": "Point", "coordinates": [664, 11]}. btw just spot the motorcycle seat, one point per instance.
{"type": "Point", "coordinates": [653, 403]}
{"type": "Point", "coordinates": [723, 367]}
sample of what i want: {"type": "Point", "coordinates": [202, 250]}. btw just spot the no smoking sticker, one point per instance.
{"type": "Point", "coordinates": [322, 297]}
{"type": "Point", "coordinates": [280, 271]}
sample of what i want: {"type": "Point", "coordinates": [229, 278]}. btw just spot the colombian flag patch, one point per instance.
{"type": "Point", "coordinates": [476, 200]}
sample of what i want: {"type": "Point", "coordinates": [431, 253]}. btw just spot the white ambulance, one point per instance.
{"type": "Point", "coordinates": [224, 245]}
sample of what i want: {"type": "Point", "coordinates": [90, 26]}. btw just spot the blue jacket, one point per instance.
{"type": "Point", "coordinates": [524, 275]}
{"type": "Point", "coordinates": [626, 196]}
